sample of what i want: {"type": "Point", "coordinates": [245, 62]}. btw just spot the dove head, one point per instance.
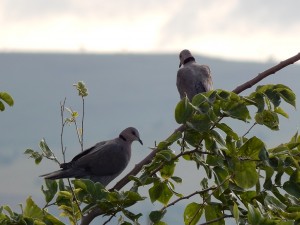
{"type": "Point", "coordinates": [185, 56]}
{"type": "Point", "coordinates": [130, 134]}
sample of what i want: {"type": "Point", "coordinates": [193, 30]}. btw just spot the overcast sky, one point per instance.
{"type": "Point", "coordinates": [232, 29]}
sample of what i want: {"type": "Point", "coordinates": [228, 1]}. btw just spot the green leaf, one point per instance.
{"type": "Point", "coordinates": [32, 210]}
{"type": "Point", "coordinates": [248, 196]}
{"type": "Point", "coordinates": [238, 111]}
{"type": "Point", "coordinates": [215, 160]}
{"type": "Point", "coordinates": [81, 88]}
{"type": "Point", "coordinates": [7, 209]}
{"type": "Point", "coordinates": [160, 223]}
{"type": "Point", "coordinates": [45, 148]}
{"type": "Point", "coordinates": [268, 184]}
{"type": "Point", "coordinates": [274, 204]}
{"type": "Point", "coordinates": [259, 100]}
{"type": "Point", "coordinates": [223, 95]}
{"type": "Point", "coordinates": [131, 215]}
{"type": "Point", "coordinates": [7, 98]}
{"type": "Point", "coordinates": [245, 174]}
{"type": "Point", "coordinates": [252, 148]}
{"type": "Point", "coordinates": [268, 118]}
{"type": "Point", "coordinates": [213, 211]}
{"type": "Point", "coordinates": [254, 216]}
{"type": "Point", "coordinates": [160, 192]}
{"type": "Point", "coordinates": [156, 216]}
{"type": "Point", "coordinates": [51, 191]}
{"type": "Point", "coordinates": [2, 106]}
{"type": "Point", "coordinates": [280, 111]}
{"type": "Point", "coordinates": [166, 155]}
{"type": "Point", "coordinates": [273, 96]}
{"type": "Point", "coordinates": [177, 179]}
{"type": "Point", "coordinates": [183, 111]}
{"type": "Point", "coordinates": [50, 219]}
{"type": "Point", "coordinates": [288, 95]}
{"type": "Point", "coordinates": [235, 212]}
{"type": "Point", "coordinates": [199, 99]}
{"type": "Point", "coordinates": [192, 213]}
{"type": "Point", "coordinates": [200, 122]}
{"type": "Point", "coordinates": [64, 198]}
{"type": "Point", "coordinates": [217, 137]}
{"type": "Point", "coordinates": [221, 174]}
{"type": "Point", "coordinates": [295, 177]}
{"type": "Point", "coordinates": [35, 155]}
{"type": "Point", "coordinates": [292, 188]}
{"type": "Point", "coordinates": [168, 170]}
{"type": "Point", "coordinates": [192, 137]}
{"type": "Point", "coordinates": [224, 127]}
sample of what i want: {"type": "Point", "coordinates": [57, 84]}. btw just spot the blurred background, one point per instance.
{"type": "Point", "coordinates": [127, 54]}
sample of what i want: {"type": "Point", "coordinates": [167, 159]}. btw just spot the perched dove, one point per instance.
{"type": "Point", "coordinates": [101, 163]}
{"type": "Point", "coordinates": [192, 78]}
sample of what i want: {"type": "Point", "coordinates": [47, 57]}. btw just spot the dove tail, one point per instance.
{"type": "Point", "coordinates": [58, 174]}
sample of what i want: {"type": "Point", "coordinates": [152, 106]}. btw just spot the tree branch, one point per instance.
{"type": "Point", "coordinates": [96, 212]}
{"type": "Point", "coordinates": [266, 73]}
{"type": "Point", "coordinates": [188, 196]}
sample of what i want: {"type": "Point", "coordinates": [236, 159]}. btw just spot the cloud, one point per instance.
{"type": "Point", "coordinates": [269, 14]}
{"type": "Point", "coordinates": [15, 10]}
{"type": "Point", "coordinates": [224, 28]}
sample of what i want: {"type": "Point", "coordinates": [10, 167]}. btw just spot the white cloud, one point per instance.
{"type": "Point", "coordinates": [231, 28]}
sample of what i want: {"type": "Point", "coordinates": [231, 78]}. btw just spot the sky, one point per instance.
{"type": "Point", "coordinates": [232, 29]}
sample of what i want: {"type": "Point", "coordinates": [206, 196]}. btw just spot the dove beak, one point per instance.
{"type": "Point", "coordinates": [180, 64]}
{"type": "Point", "coordinates": [140, 141]}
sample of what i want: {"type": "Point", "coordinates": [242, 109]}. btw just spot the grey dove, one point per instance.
{"type": "Point", "coordinates": [192, 78]}
{"type": "Point", "coordinates": [101, 163]}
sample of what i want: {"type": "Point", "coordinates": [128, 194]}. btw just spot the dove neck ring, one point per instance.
{"type": "Point", "coordinates": [189, 59]}
{"type": "Point", "coordinates": [122, 137]}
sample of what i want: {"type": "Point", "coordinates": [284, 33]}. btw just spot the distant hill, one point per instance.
{"type": "Point", "coordinates": [125, 90]}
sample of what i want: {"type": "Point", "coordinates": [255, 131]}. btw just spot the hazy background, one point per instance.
{"type": "Point", "coordinates": [127, 54]}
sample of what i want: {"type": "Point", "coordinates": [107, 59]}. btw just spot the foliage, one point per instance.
{"type": "Point", "coordinates": [244, 180]}
{"type": "Point", "coordinates": [5, 97]}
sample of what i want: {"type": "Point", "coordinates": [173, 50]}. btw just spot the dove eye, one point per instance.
{"type": "Point", "coordinates": [133, 133]}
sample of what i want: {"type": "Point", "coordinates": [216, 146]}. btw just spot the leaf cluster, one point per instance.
{"type": "Point", "coordinates": [242, 179]}
{"type": "Point", "coordinates": [244, 174]}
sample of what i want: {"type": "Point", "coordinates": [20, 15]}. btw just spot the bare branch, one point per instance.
{"type": "Point", "coordinates": [266, 73]}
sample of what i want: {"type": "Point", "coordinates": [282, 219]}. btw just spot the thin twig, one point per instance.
{"type": "Point", "coordinates": [82, 121]}
{"type": "Point", "coordinates": [63, 149]}
{"type": "Point", "coordinates": [78, 133]}
{"type": "Point", "coordinates": [112, 216]}
{"type": "Point", "coordinates": [62, 110]}
{"type": "Point", "coordinates": [187, 197]}
{"type": "Point", "coordinates": [74, 197]}
{"type": "Point", "coordinates": [249, 129]}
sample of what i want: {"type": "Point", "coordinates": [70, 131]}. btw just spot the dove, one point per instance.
{"type": "Point", "coordinates": [101, 163]}
{"type": "Point", "coordinates": [192, 78]}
